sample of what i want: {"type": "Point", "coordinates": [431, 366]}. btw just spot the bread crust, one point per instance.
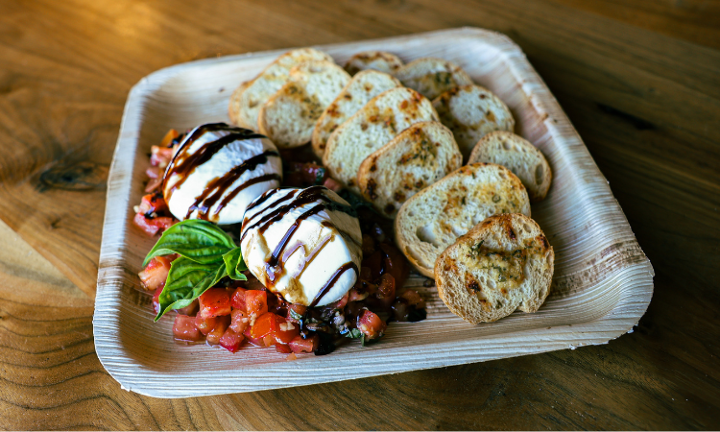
{"type": "Point", "coordinates": [364, 86]}
{"type": "Point", "coordinates": [436, 216]}
{"type": "Point", "coordinates": [416, 158]}
{"type": "Point", "coordinates": [289, 116]}
{"type": "Point", "coordinates": [269, 81]}
{"type": "Point", "coordinates": [471, 112]}
{"type": "Point", "coordinates": [519, 156]}
{"type": "Point", "coordinates": [234, 106]}
{"type": "Point", "coordinates": [373, 60]}
{"type": "Point", "coordinates": [380, 120]}
{"type": "Point", "coordinates": [503, 264]}
{"type": "Point", "coordinates": [432, 76]}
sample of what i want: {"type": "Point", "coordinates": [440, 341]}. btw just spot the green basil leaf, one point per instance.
{"type": "Point", "coordinates": [234, 264]}
{"type": "Point", "coordinates": [354, 334]}
{"type": "Point", "coordinates": [186, 281]}
{"type": "Point", "coordinates": [196, 240]}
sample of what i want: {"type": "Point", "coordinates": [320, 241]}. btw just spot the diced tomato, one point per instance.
{"type": "Point", "coordinates": [190, 309]}
{"type": "Point", "coordinates": [231, 340]}
{"type": "Point", "coordinates": [358, 295]}
{"type": "Point", "coordinates": [153, 203]}
{"type": "Point", "coordinates": [282, 349]}
{"type": "Point", "coordinates": [298, 344]}
{"type": "Point", "coordinates": [153, 185]}
{"type": "Point", "coordinates": [169, 137]}
{"type": "Point", "coordinates": [215, 302]}
{"type": "Point", "coordinates": [205, 325]}
{"type": "Point", "coordinates": [295, 310]}
{"type": "Point", "coordinates": [256, 302]}
{"type": "Point", "coordinates": [343, 301]}
{"type": "Point", "coordinates": [285, 331]}
{"type": "Point", "coordinates": [237, 301]}
{"type": "Point", "coordinates": [153, 172]}
{"type": "Point", "coordinates": [264, 325]}
{"type": "Point", "coordinates": [184, 329]}
{"type": "Point", "coordinates": [395, 263]}
{"type": "Point", "coordinates": [221, 324]}
{"type": "Point", "coordinates": [156, 299]}
{"type": "Point", "coordinates": [371, 325]}
{"type": "Point", "coordinates": [304, 174]}
{"type": "Point", "coordinates": [160, 156]}
{"type": "Point", "coordinates": [292, 356]}
{"type": "Point", "coordinates": [153, 226]}
{"type": "Point", "coordinates": [154, 275]}
{"type": "Point", "coordinates": [413, 298]}
{"type": "Point", "coordinates": [257, 342]}
{"type": "Point", "coordinates": [333, 184]}
{"type": "Point", "coordinates": [239, 321]}
{"type": "Point", "coordinates": [386, 289]}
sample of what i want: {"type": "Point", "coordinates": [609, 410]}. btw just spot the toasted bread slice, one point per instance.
{"type": "Point", "coordinates": [436, 216]}
{"type": "Point", "coordinates": [234, 106]}
{"type": "Point", "coordinates": [361, 88]}
{"type": "Point", "coordinates": [269, 82]}
{"type": "Point", "coordinates": [385, 116]}
{"type": "Point", "coordinates": [421, 155]}
{"type": "Point", "coordinates": [431, 76]}
{"type": "Point", "coordinates": [471, 112]}
{"type": "Point", "coordinates": [377, 60]}
{"type": "Point", "coordinates": [504, 263]}
{"type": "Point", "coordinates": [289, 116]}
{"type": "Point", "coordinates": [520, 157]}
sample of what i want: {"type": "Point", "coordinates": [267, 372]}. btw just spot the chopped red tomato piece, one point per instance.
{"type": "Point", "coordinates": [160, 156]}
{"type": "Point", "coordinates": [264, 325]}
{"type": "Point", "coordinates": [257, 342]}
{"type": "Point", "coordinates": [282, 349]}
{"type": "Point", "coordinates": [190, 309]}
{"type": "Point", "coordinates": [256, 302]}
{"type": "Point", "coordinates": [156, 299]}
{"type": "Point", "coordinates": [298, 344]}
{"type": "Point", "coordinates": [231, 340]}
{"type": "Point", "coordinates": [295, 310]}
{"type": "Point", "coordinates": [237, 301]}
{"type": "Point", "coordinates": [152, 203]}
{"type": "Point", "coordinates": [154, 275]}
{"type": "Point", "coordinates": [169, 137]}
{"type": "Point", "coordinates": [413, 298]}
{"type": "Point", "coordinates": [343, 301]}
{"type": "Point", "coordinates": [221, 324]}
{"type": "Point", "coordinates": [215, 302]}
{"type": "Point", "coordinates": [371, 325]}
{"type": "Point", "coordinates": [394, 263]}
{"type": "Point", "coordinates": [285, 331]}
{"type": "Point", "coordinates": [155, 225]}
{"type": "Point", "coordinates": [239, 321]}
{"type": "Point", "coordinates": [153, 172]}
{"type": "Point", "coordinates": [184, 329]}
{"type": "Point", "coordinates": [205, 325]}
{"type": "Point", "coordinates": [386, 289]}
{"type": "Point", "coordinates": [153, 185]}
{"type": "Point", "coordinates": [333, 185]}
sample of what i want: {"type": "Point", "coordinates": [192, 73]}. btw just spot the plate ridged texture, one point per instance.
{"type": "Point", "coordinates": [601, 288]}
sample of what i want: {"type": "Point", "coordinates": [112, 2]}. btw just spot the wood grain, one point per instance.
{"type": "Point", "coordinates": [642, 92]}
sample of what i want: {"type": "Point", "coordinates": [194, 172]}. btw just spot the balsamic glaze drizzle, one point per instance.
{"type": "Point", "coordinates": [183, 165]}
{"type": "Point", "coordinates": [273, 213]}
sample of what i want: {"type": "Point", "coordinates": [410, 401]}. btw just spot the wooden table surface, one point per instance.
{"type": "Point", "coordinates": [641, 84]}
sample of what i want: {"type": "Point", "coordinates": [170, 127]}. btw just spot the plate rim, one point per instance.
{"type": "Point", "coordinates": [621, 318]}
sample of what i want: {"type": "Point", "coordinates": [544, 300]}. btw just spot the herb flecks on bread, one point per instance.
{"type": "Point", "coordinates": [436, 216]}
{"type": "Point", "coordinates": [360, 90]}
{"type": "Point", "coordinates": [379, 121]}
{"type": "Point", "coordinates": [289, 116]}
{"type": "Point", "coordinates": [471, 112]}
{"type": "Point", "coordinates": [416, 158]}
{"type": "Point", "coordinates": [520, 157]}
{"type": "Point", "coordinates": [376, 60]}
{"type": "Point", "coordinates": [503, 264]}
{"type": "Point", "coordinates": [432, 76]}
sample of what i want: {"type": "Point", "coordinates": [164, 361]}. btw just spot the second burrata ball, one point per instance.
{"type": "Point", "coordinates": [217, 171]}
{"type": "Point", "coordinates": [304, 244]}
